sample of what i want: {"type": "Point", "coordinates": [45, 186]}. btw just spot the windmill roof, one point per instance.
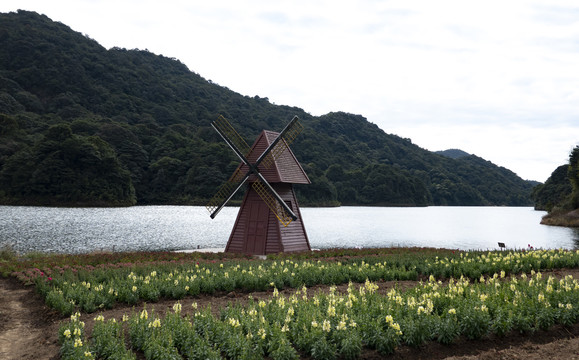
{"type": "Point", "coordinates": [285, 168]}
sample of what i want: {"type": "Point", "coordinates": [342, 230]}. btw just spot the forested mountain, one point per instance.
{"type": "Point", "coordinates": [83, 125]}
{"type": "Point", "coordinates": [453, 153]}
{"type": "Point", "coordinates": [560, 193]}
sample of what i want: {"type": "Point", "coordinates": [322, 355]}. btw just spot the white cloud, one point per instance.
{"type": "Point", "coordinates": [502, 71]}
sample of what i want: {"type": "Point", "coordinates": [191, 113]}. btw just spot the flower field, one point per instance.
{"type": "Point", "coordinates": [457, 295]}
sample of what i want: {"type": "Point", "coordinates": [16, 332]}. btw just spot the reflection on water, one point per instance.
{"type": "Point", "coordinates": [141, 228]}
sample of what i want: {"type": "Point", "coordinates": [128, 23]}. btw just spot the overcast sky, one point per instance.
{"type": "Point", "coordinates": [498, 79]}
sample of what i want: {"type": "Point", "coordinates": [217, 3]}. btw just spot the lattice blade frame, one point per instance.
{"type": "Point", "coordinates": [287, 139]}
{"type": "Point", "coordinates": [272, 203]}
{"type": "Point", "coordinates": [228, 131]}
{"type": "Point", "coordinates": [270, 197]}
{"type": "Point", "coordinates": [225, 192]}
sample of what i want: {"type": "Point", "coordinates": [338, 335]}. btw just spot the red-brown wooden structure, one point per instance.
{"type": "Point", "coordinates": [269, 219]}
{"type": "Point", "coordinates": [257, 230]}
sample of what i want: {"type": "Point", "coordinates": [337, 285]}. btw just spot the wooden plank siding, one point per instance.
{"type": "Point", "coordinates": [257, 230]}
{"type": "Point", "coordinates": [285, 169]}
{"type": "Point", "coordinates": [294, 236]}
{"type": "Point", "coordinates": [245, 236]}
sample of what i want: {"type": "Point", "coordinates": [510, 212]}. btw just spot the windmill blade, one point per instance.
{"type": "Point", "coordinates": [226, 192]}
{"type": "Point", "coordinates": [226, 130]}
{"type": "Point", "coordinates": [290, 132]}
{"type": "Point", "coordinates": [236, 181]}
{"type": "Point", "coordinates": [263, 188]}
{"type": "Point", "coordinates": [287, 138]}
{"type": "Point", "coordinates": [277, 206]}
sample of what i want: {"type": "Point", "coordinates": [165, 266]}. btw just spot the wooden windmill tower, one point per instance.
{"type": "Point", "coordinates": [269, 219]}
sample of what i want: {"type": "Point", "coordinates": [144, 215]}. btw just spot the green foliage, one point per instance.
{"type": "Point", "coordinates": [574, 176]}
{"type": "Point", "coordinates": [82, 125]}
{"type": "Point", "coordinates": [67, 169]}
{"type": "Point", "coordinates": [560, 193]}
{"type": "Point", "coordinates": [554, 191]}
{"type": "Point", "coordinates": [331, 325]}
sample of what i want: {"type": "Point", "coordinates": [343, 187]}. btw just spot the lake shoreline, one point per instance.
{"type": "Point", "coordinates": [565, 219]}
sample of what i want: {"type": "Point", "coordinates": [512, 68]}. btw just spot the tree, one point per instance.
{"type": "Point", "coordinates": [573, 174]}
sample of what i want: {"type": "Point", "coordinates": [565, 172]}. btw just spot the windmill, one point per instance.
{"type": "Point", "coordinates": [269, 219]}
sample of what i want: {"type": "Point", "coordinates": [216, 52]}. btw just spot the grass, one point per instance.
{"type": "Point", "coordinates": [7, 253]}
{"type": "Point", "coordinates": [567, 219]}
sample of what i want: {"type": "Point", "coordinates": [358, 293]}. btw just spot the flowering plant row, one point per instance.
{"type": "Point", "coordinates": [332, 325]}
{"type": "Point", "coordinates": [102, 288]}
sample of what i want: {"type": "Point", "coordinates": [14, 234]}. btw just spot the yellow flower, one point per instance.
{"type": "Point", "coordinates": [177, 307]}
{"type": "Point", "coordinates": [261, 333]}
{"type": "Point", "coordinates": [281, 302]}
{"type": "Point", "coordinates": [396, 327]}
{"type": "Point", "coordinates": [67, 333]}
{"type": "Point", "coordinates": [155, 324]}
{"type": "Point", "coordinates": [77, 342]}
{"type": "Point", "coordinates": [326, 326]}
{"type": "Point", "coordinates": [99, 318]}
{"type": "Point", "coordinates": [452, 311]}
{"type": "Point", "coordinates": [234, 322]}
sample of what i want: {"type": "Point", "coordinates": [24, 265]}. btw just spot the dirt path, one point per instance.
{"type": "Point", "coordinates": [29, 330]}
{"type": "Point", "coordinates": [27, 327]}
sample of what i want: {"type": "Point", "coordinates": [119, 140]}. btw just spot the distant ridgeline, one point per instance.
{"type": "Point", "coordinates": [83, 125]}
{"type": "Point", "coordinates": [559, 195]}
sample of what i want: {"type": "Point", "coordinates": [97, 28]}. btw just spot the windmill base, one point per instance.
{"type": "Point", "coordinates": [257, 231]}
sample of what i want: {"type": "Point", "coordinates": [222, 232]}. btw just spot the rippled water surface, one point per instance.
{"type": "Point", "coordinates": [81, 230]}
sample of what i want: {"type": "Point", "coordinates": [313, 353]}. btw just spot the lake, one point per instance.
{"type": "Point", "coordinates": [151, 228]}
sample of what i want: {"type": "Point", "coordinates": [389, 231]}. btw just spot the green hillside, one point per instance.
{"type": "Point", "coordinates": [83, 125]}
{"type": "Point", "coordinates": [555, 191]}
{"type": "Point", "coordinates": [559, 195]}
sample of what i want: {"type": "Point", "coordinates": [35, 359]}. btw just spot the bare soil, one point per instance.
{"type": "Point", "coordinates": [29, 329]}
